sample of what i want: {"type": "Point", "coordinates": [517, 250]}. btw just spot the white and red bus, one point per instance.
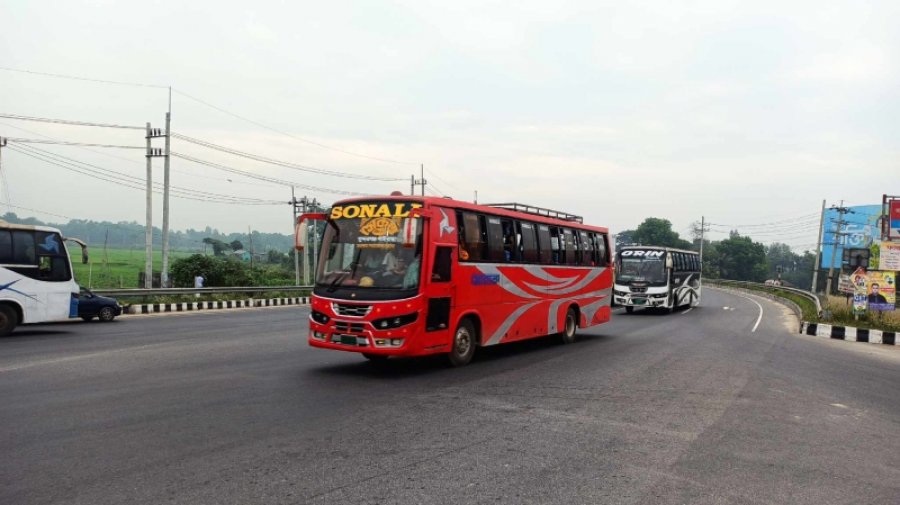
{"type": "Point", "coordinates": [407, 276]}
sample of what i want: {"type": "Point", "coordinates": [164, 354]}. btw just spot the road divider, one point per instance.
{"type": "Point", "coordinates": [157, 308]}
{"type": "Point", "coordinates": [849, 333]}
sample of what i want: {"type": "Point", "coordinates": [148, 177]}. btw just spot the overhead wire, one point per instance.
{"type": "Point", "coordinates": [133, 182]}
{"type": "Point", "coordinates": [67, 143]}
{"type": "Point", "coordinates": [68, 122]}
{"type": "Point", "coordinates": [285, 164]}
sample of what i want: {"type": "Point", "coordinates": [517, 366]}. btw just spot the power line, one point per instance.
{"type": "Point", "coordinates": [35, 210]}
{"type": "Point", "coordinates": [76, 78]}
{"type": "Point", "coordinates": [65, 143]}
{"type": "Point", "coordinates": [273, 180]}
{"type": "Point", "coordinates": [68, 122]}
{"type": "Point", "coordinates": [789, 221]}
{"type": "Point", "coordinates": [256, 123]}
{"type": "Point", "coordinates": [285, 164]}
{"type": "Point", "coordinates": [125, 180]}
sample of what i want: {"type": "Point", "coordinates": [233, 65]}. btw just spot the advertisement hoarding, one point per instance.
{"type": "Point", "coordinates": [859, 229]}
{"type": "Point", "coordinates": [894, 219]}
{"type": "Point", "coordinates": [889, 256]}
{"type": "Point", "coordinates": [881, 290]}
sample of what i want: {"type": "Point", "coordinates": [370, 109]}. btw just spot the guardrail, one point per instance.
{"type": "Point", "coordinates": [759, 286]}
{"type": "Point", "coordinates": [138, 292]}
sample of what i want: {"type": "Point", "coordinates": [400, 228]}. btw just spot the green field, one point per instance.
{"type": "Point", "coordinates": [115, 268]}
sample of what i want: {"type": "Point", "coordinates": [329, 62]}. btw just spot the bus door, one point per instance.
{"type": "Point", "coordinates": [439, 285]}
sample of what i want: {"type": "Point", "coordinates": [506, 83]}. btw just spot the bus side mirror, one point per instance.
{"type": "Point", "coordinates": [668, 261]}
{"type": "Point", "coordinates": [301, 229]}
{"type": "Point", "coordinates": [300, 234]}
{"type": "Point", "coordinates": [409, 231]}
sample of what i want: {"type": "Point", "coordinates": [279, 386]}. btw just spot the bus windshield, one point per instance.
{"type": "Point", "coordinates": [367, 251]}
{"type": "Point", "coordinates": [651, 270]}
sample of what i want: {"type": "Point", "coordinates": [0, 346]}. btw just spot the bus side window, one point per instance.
{"type": "Point", "coordinates": [570, 257]}
{"type": "Point", "coordinates": [544, 243]}
{"type": "Point", "coordinates": [470, 240]}
{"type": "Point", "coordinates": [555, 246]}
{"type": "Point", "coordinates": [23, 248]}
{"type": "Point", "coordinates": [530, 252]}
{"type": "Point", "coordinates": [443, 258]}
{"type": "Point", "coordinates": [602, 249]}
{"type": "Point", "coordinates": [587, 249]}
{"type": "Point", "coordinates": [6, 250]}
{"type": "Point", "coordinates": [496, 244]}
{"type": "Point", "coordinates": [510, 244]}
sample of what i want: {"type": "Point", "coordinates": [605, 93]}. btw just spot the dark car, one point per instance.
{"type": "Point", "coordinates": [102, 307]}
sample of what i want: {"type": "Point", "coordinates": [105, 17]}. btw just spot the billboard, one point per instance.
{"type": "Point", "coordinates": [894, 219]}
{"type": "Point", "coordinates": [859, 229]}
{"type": "Point", "coordinates": [881, 290]}
{"type": "Point", "coordinates": [890, 256]}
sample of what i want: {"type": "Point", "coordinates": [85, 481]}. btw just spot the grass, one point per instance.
{"type": "Point", "coordinates": [842, 314]}
{"type": "Point", "coordinates": [116, 268]}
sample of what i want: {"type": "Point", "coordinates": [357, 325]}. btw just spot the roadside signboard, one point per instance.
{"type": "Point", "coordinates": [894, 219]}
{"type": "Point", "coordinates": [881, 290]}
{"type": "Point", "coordinates": [845, 285]}
{"type": "Point", "coordinates": [859, 229]}
{"type": "Point", "coordinates": [859, 280]}
{"type": "Point", "coordinates": [889, 257]}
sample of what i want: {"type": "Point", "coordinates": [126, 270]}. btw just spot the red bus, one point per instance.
{"type": "Point", "coordinates": [408, 276]}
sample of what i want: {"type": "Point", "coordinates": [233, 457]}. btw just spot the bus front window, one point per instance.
{"type": "Point", "coordinates": [650, 270]}
{"type": "Point", "coordinates": [368, 253]}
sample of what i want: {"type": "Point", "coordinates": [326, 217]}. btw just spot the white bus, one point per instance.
{"type": "Point", "coordinates": [36, 280]}
{"type": "Point", "coordinates": [656, 277]}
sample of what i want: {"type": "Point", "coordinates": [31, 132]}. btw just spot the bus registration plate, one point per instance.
{"type": "Point", "coordinates": [348, 339]}
{"type": "Point", "coordinates": [639, 301]}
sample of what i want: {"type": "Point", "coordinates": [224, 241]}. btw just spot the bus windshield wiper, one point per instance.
{"type": "Point", "coordinates": [333, 286]}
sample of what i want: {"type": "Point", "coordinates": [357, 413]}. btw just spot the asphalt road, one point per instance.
{"type": "Point", "coordinates": [233, 407]}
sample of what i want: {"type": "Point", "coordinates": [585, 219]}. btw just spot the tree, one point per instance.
{"type": "Point", "coordinates": [218, 246]}
{"type": "Point", "coordinates": [740, 259]}
{"type": "Point", "coordinates": [658, 232]}
{"type": "Point", "coordinates": [624, 237]}
{"type": "Point", "coordinates": [236, 245]}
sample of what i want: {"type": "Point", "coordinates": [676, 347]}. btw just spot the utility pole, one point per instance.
{"type": "Point", "coordinates": [815, 279]}
{"type": "Point", "coordinates": [148, 258]}
{"type": "Point", "coordinates": [412, 185]}
{"type": "Point", "coordinates": [296, 253]}
{"type": "Point", "coordinates": [164, 274]}
{"type": "Point", "coordinates": [424, 182]}
{"type": "Point", "coordinates": [702, 231]}
{"type": "Point", "coordinates": [413, 182]}
{"type": "Point", "coordinates": [152, 152]}
{"type": "Point", "coordinates": [837, 234]}
{"type": "Point", "coordinates": [2, 178]}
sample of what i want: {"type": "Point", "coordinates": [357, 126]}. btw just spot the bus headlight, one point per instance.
{"type": "Point", "coordinates": [388, 323]}
{"type": "Point", "coordinates": [319, 317]}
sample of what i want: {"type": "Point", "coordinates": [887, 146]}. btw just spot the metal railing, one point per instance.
{"type": "Point", "coordinates": [139, 292]}
{"type": "Point", "coordinates": [759, 286]}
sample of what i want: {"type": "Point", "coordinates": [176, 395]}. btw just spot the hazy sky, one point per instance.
{"type": "Point", "coordinates": [744, 112]}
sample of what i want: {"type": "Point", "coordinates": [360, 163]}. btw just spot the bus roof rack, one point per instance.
{"type": "Point", "coordinates": [537, 211]}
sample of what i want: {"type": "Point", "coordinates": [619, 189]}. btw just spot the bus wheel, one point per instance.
{"type": "Point", "coordinates": [463, 344]}
{"type": "Point", "coordinates": [569, 327]}
{"type": "Point", "coordinates": [629, 309]}
{"type": "Point", "coordinates": [8, 320]}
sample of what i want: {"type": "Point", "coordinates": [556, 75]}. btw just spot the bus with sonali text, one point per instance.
{"type": "Point", "coordinates": [414, 276]}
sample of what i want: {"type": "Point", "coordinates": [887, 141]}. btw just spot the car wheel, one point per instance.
{"type": "Point", "coordinates": [463, 344]}
{"type": "Point", "coordinates": [569, 327]}
{"type": "Point", "coordinates": [9, 319]}
{"type": "Point", "coordinates": [106, 314]}
{"type": "Point", "coordinates": [87, 318]}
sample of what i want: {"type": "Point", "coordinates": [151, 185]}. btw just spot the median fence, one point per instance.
{"type": "Point", "coordinates": [808, 308]}
{"type": "Point", "coordinates": [247, 297]}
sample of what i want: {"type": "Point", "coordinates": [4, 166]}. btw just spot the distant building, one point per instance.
{"type": "Point", "coordinates": [244, 255]}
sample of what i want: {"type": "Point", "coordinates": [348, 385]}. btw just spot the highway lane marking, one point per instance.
{"type": "Point", "coordinates": [758, 319]}
{"type": "Point", "coordinates": [30, 364]}
{"type": "Point", "coordinates": [688, 310]}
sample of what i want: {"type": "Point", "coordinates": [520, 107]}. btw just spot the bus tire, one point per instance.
{"type": "Point", "coordinates": [9, 319]}
{"type": "Point", "coordinates": [463, 347]}
{"type": "Point", "coordinates": [629, 309]}
{"type": "Point", "coordinates": [570, 326]}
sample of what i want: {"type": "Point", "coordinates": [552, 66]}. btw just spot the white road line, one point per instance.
{"type": "Point", "coordinates": [758, 319]}
{"type": "Point", "coordinates": [688, 310]}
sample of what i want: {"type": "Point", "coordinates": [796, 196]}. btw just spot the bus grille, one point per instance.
{"type": "Point", "coordinates": [343, 326]}
{"type": "Point", "coordinates": [638, 290]}
{"type": "Point", "coordinates": [344, 309]}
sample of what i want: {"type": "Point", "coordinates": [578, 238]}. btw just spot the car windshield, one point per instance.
{"type": "Point", "coordinates": [368, 252]}
{"type": "Point", "coordinates": [650, 270]}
